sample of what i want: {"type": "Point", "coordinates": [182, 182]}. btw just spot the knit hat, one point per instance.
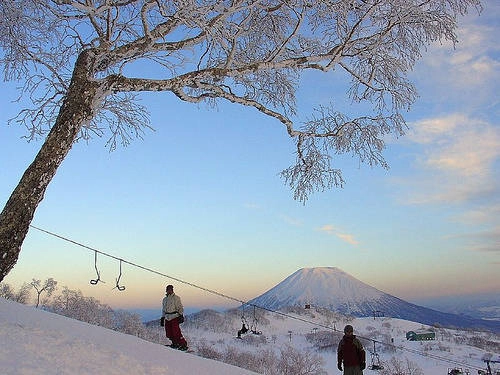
{"type": "Point", "coordinates": [348, 328]}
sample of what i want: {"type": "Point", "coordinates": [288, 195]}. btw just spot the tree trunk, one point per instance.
{"type": "Point", "coordinates": [76, 110]}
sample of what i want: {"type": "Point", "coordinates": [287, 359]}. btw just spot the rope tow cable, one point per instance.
{"type": "Point", "coordinates": [94, 282]}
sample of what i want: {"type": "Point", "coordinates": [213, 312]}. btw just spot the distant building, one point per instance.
{"type": "Point", "coordinates": [420, 335]}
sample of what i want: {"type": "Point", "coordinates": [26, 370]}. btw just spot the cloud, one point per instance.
{"type": "Point", "coordinates": [480, 215]}
{"type": "Point", "coordinates": [469, 151]}
{"type": "Point", "coordinates": [349, 238]}
{"type": "Point", "coordinates": [458, 159]}
{"type": "Point", "coordinates": [252, 206]}
{"type": "Point", "coordinates": [484, 241]}
{"type": "Point", "coordinates": [457, 164]}
{"type": "Point", "coordinates": [427, 131]}
{"type": "Point", "coordinates": [467, 73]}
{"type": "Point", "coordinates": [291, 221]}
{"type": "Point", "coordinates": [331, 230]}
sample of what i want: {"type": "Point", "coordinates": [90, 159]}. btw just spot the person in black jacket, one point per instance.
{"type": "Point", "coordinates": [350, 353]}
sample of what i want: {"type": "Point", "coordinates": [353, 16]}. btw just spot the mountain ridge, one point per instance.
{"type": "Point", "coordinates": [334, 289]}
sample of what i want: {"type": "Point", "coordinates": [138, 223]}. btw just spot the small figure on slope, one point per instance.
{"type": "Point", "coordinates": [243, 330]}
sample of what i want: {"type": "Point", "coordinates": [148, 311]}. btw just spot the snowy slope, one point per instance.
{"type": "Point", "coordinates": [334, 289]}
{"type": "Point", "coordinates": [36, 342]}
{"type": "Point", "coordinates": [304, 329]}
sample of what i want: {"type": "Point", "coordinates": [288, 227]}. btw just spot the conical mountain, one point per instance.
{"type": "Point", "coordinates": [328, 287]}
{"type": "Point", "coordinates": [334, 289]}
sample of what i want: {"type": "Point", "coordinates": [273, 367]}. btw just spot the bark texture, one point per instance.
{"type": "Point", "coordinates": [16, 217]}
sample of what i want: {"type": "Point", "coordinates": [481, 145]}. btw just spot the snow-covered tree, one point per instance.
{"type": "Point", "coordinates": [396, 366]}
{"type": "Point", "coordinates": [6, 291]}
{"type": "Point", "coordinates": [294, 361]}
{"type": "Point", "coordinates": [22, 295]}
{"type": "Point", "coordinates": [77, 59]}
{"type": "Point", "coordinates": [129, 323]}
{"type": "Point", "coordinates": [48, 286]}
{"type": "Point", "coordinates": [75, 305]}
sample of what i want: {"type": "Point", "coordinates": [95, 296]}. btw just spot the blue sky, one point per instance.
{"type": "Point", "coordinates": [200, 198]}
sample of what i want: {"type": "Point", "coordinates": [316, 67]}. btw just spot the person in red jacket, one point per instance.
{"type": "Point", "coordinates": [350, 353]}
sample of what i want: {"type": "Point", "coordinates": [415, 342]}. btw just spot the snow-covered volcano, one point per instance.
{"type": "Point", "coordinates": [327, 287]}
{"type": "Point", "coordinates": [334, 289]}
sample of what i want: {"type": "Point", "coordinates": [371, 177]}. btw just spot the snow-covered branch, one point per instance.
{"type": "Point", "coordinates": [83, 60]}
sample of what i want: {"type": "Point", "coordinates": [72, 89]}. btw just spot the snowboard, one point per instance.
{"type": "Point", "coordinates": [185, 351]}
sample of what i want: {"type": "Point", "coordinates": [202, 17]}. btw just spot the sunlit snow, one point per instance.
{"type": "Point", "coordinates": [36, 342]}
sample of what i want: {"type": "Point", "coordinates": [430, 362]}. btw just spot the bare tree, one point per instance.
{"type": "Point", "coordinates": [6, 291]}
{"type": "Point", "coordinates": [73, 304]}
{"type": "Point", "coordinates": [397, 366]}
{"type": "Point", "coordinates": [48, 286]}
{"type": "Point", "coordinates": [22, 295]}
{"type": "Point", "coordinates": [129, 323]}
{"type": "Point", "coordinates": [77, 58]}
{"type": "Point", "coordinates": [300, 362]}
